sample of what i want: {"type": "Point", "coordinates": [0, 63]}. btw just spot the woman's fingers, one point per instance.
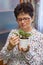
{"type": "Point", "coordinates": [14, 38]}
{"type": "Point", "coordinates": [24, 49]}
{"type": "Point", "coordinates": [13, 41]}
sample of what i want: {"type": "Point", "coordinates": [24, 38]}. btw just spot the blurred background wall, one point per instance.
{"type": "Point", "coordinates": [40, 16]}
{"type": "Point", "coordinates": [7, 19]}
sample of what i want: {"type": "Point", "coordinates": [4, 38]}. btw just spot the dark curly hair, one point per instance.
{"type": "Point", "coordinates": [24, 7]}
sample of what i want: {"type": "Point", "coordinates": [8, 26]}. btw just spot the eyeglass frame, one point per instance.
{"type": "Point", "coordinates": [25, 19]}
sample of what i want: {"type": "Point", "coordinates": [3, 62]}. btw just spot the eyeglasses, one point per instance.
{"type": "Point", "coordinates": [25, 19]}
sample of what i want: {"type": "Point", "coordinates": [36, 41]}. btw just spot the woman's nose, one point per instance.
{"type": "Point", "coordinates": [22, 21]}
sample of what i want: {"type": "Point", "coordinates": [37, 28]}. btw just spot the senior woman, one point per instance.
{"type": "Point", "coordinates": [24, 14]}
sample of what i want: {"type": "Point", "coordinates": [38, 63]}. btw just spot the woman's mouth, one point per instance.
{"type": "Point", "coordinates": [23, 25]}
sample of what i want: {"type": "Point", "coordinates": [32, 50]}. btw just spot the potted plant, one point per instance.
{"type": "Point", "coordinates": [24, 36]}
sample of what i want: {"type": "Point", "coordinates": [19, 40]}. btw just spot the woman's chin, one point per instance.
{"type": "Point", "coordinates": [24, 28]}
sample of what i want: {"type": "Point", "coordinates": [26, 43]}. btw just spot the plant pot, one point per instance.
{"type": "Point", "coordinates": [23, 45]}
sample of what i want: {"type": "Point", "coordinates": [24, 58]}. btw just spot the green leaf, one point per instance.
{"type": "Point", "coordinates": [21, 32]}
{"type": "Point", "coordinates": [24, 34]}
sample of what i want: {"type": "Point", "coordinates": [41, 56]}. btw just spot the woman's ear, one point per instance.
{"type": "Point", "coordinates": [32, 18]}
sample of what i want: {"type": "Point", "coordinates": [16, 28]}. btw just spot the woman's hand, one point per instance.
{"type": "Point", "coordinates": [14, 40]}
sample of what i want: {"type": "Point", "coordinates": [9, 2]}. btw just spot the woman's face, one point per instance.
{"type": "Point", "coordinates": [24, 20]}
